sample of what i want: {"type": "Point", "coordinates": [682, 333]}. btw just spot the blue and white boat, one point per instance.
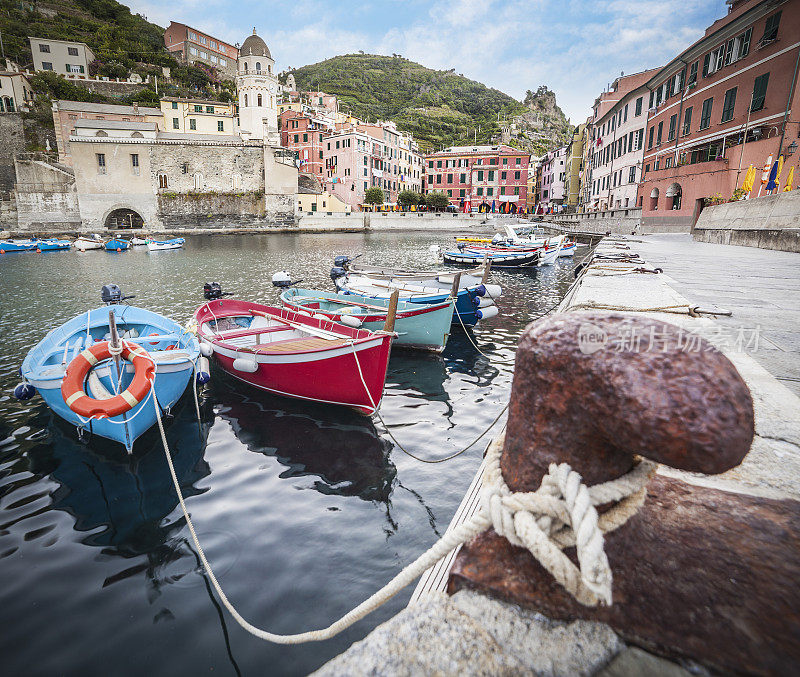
{"type": "Point", "coordinates": [53, 245]}
{"type": "Point", "coordinates": [473, 303]}
{"type": "Point", "coordinates": [17, 246]}
{"type": "Point", "coordinates": [118, 245]}
{"type": "Point", "coordinates": [158, 245]}
{"type": "Point", "coordinates": [418, 325]}
{"type": "Point", "coordinates": [174, 353]}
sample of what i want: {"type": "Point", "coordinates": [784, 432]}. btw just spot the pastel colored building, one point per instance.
{"type": "Point", "coordinates": [574, 166]}
{"type": "Point", "coordinates": [198, 116]}
{"type": "Point", "coordinates": [15, 91]}
{"type": "Point", "coordinates": [61, 56]}
{"type": "Point", "coordinates": [727, 101]}
{"type": "Point", "coordinates": [553, 178]}
{"type": "Point", "coordinates": [479, 176]}
{"type": "Point", "coordinates": [304, 135]}
{"type": "Point", "coordinates": [616, 138]}
{"type": "Point", "coordinates": [190, 45]}
{"type": "Point", "coordinates": [66, 114]}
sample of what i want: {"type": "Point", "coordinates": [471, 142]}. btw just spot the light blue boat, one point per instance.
{"type": "Point", "coordinates": [424, 326]}
{"type": "Point", "coordinates": [52, 245]}
{"type": "Point", "coordinates": [118, 244]}
{"type": "Point", "coordinates": [159, 245]}
{"type": "Point", "coordinates": [17, 246]}
{"type": "Point", "coordinates": [173, 351]}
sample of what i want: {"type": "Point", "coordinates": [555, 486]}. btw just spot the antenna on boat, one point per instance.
{"type": "Point", "coordinates": [392, 314]}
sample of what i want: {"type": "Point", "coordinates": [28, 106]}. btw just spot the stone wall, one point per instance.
{"type": "Point", "coordinates": [114, 90]}
{"type": "Point", "coordinates": [769, 222]}
{"type": "Point", "coordinates": [13, 142]}
{"type": "Point", "coordinates": [212, 210]}
{"type": "Point", "coordinates": [46, 197]}
{"type": "Point", "coordinates": [613, 220]}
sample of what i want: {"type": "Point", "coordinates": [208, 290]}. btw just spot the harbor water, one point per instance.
{"type": "Point", "coordinates": [303, 510]}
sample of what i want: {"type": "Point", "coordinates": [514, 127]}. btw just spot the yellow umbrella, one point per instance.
{"type": "Point", "coordinates": [749, 179]}
{"type": "Point", "coordinates": [789, 180]}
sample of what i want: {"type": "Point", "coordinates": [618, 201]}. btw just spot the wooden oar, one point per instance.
{"type": "Point", "coordinates": [315, 331]}
{"type": "Point", "coordinates": [343, 302]}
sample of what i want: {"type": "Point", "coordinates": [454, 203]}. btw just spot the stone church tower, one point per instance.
{"type": "Point", "coordinates": [257, 85]}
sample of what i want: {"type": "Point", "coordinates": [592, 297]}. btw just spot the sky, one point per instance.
{"type": "Point", "coordinates": [575, 47]}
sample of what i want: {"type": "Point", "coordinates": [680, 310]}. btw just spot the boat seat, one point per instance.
{"type": "Point", "coordinates": [298, 345]}
{"type": "Point", "coordinates": [252, 332]}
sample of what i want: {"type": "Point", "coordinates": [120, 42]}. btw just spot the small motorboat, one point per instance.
{"type": "Point", "coordinates": [473, 303]}
{"type": "Point", "coordinates": [550, 251]}
{"type": "Point", "coordinates": [52, 245]}
{"type": "Point", "coordinates": [568, 248]}
{"type": "Point", "coordinates": [118, 245]}
{"type": "Point", "coordinates": [289, 352]}
{"type": "Point", "coordinates": [85, 242]}
{"type": "Point", "coordinates": [499, 258]}
{"type": "Point", "coordinates": [17, 246]}
{"type": "Point", "coordinates": [159, 245]}
{"type": "Point", "coordinates": [424, 326]}
{"type": "Point", "coordinates": [138, 241]}
{"type": "Point", "coordinates": [98, 370]}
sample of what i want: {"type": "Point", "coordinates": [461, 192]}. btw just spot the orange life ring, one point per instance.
{"type": "Point", "coordinates": [72, 386]}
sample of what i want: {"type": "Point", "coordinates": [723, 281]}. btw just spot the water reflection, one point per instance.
{"type": "Point", "coordinates": [342, 449]}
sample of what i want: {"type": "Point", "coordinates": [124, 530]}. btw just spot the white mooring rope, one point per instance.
{"type": "Point", "coordinates": [559, 514]}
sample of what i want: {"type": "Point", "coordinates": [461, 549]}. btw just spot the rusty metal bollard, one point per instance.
{"type": "Point", "coordinates": [698, 572]}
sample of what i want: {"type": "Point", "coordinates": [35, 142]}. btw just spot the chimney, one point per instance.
{"type": "Point", "coordinates": [135, 108]}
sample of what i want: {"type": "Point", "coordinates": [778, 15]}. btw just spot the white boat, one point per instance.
{"type": "Point", "coordinates": [85, 242]}
{"type": "Point", "coordinates": [159, 245]}
{"type": "Point", "coordinates": [548, 255]}
{"type": "Point", "coordinates": [568, 249]}
{"type": "Point", "coordinates": [138, 241]}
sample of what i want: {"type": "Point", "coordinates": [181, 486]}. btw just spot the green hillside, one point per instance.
{"type": "Point", "coordinates": [438, 107]}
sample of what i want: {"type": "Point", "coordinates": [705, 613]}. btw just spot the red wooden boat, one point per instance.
{"type": "Point", "coordinates": [290, 353]}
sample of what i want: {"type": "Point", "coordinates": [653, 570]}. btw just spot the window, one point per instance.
{"type": "Point", "coordinates": [220, 125]}
{"type": "Point", "coordinates": [759, 92]}
{"type": "Point", "coordinates": [640, 139]}
{"type": "Point", "coordinates": [728, 105]}
{"type": "Point", "coordinates": [47, 66]}
{"type": "Point", "coordinates": [198, 109]}
{"type": "Point", "coordinates": [135, 164]}
{"type": "Point", "coordinates": [660, 131]}
{"type": "Point", "coordinates": [693, 73]}
{"type": "Point", "coordinates": [625, 113]}
{"type": "Point", "coordinates": [259, 100]}
{"type": "Point", "coordinates": [687, 121]}
{"type": "Point", "coordinates": [72, 51]}
{"type": "Point", "coordinates": [490, 191]}
{"type": "Point", "coordinates": [461, 193]}
{"type": "Point", "coordinates": [480, 191]}
{"type": "Point", "coordinates": [209, 109]}
{"type": "Point", "coordinates": [673, 123]}
{"type": "Point", "coordinates": [245, 100]}
{"type": "Point", "coordinates": [174, 105]}
{"type": "Point", "coordinates": [491, 175]}
{"type": "Point", "coordinates": [518, 161]}
{"type": "Point", "coordinates": [480, 175]}
{"type": "Point", "coordinates": [44, 49]}
{"type": "Point", "coordinates": [743, 44]}
{"type": "Point", "coordinates": [516, 175]}
{"type": "Point", "coordinates": [463, 178]}
{"type": "Point", "coordinates": [101, 163]}
{"type": "Point", "coordinates": [638, 110]}
{"type": "Point", "coordinates": [505, 160]}
{"type": "Point", "coordinates": [632, 175]}
{"type": "Point", "coordinates": [705, 113]}
{"type": "Point", "coordinates": [185, 168]}
{"type": "Point", "coordinates": [176, 123]}
{"type": "Point", "coordinates": [771, 29]}
{"type": "Point", "coordinates": [193, 51]}
{"type": "Point", "coordinates": [192, 124]}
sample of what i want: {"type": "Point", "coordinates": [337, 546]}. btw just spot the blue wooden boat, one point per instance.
{"type": "Point", "coordinates": [52, 245]}
{"type": "Point", "coordinates": [424, 326]}
{"type": "Point", "coordinates": [173, 352]}
{"type": "Point", "coordinates": [159, 245]}
{"type": "Point", "coordinates": [118, 245]}
{"type": "Point", "coordinates": [473, 303]}
{"type": "Point", "coordinates": [469, 257]}
{"type": "Point", "coordinates": [17, 246]}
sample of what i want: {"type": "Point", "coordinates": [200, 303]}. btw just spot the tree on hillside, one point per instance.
{"type": "Point", "coordinates": [408, 197]}
{"type": "Point", "coordinates": [373, 196]}
{"type": "Point", "coordinates": [437, 200]}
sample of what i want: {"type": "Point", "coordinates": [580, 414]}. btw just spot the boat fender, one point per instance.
{"type": "Point", "coordinates": [476, 301]}
{"type": "Point", "coordinates": [203, 371]}
{"type": "Point", "coordinates": [485, 302]}
{"type": "Point", "coordinates": [24, 391]}
{"type": "Point", "coordinates": [244, 364]}
{"type": "Point", "coordinates": [206, 349]}
{"type": "Point", "coordinates": [350, 321]}
{"type": "Point", "coordinates": [303, 312]}
{"type": "Point", "coordinates": [495, 291]}
{"type": "Point", "coordinates": [486, 313]}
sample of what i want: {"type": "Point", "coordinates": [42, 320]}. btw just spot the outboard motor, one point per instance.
{"type": "Point", "coordinates": [344, 261]}
{"type": "Point", "coordinates": [337, 272]}
{"type": "Point", "coordinates": [112, 294]}
{"type": "Point", "coordinates": [283, 280]}
{"type": "Point", "coordinates": [213, 291]}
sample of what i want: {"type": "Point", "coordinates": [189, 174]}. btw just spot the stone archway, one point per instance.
{"type": "Point", "coordinates": [654, 199]}
{"type": "Point", "coordinates": [123, 218]}
{"type": "Point", "coordinates": [674, 195]}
